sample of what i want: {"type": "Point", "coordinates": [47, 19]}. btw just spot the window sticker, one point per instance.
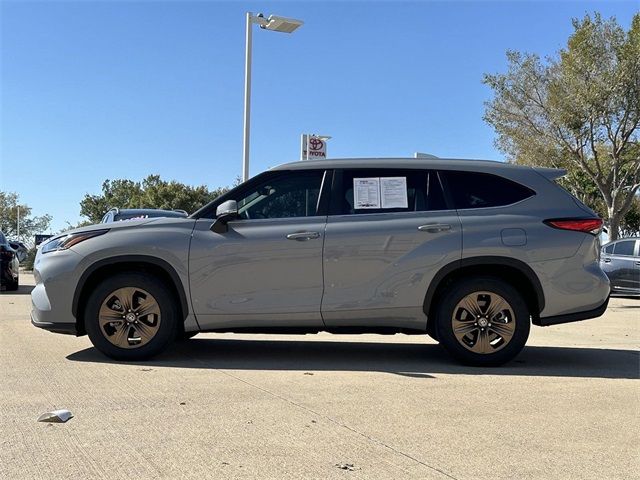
{"type": "Point", "coordinates": [366, 193]}
{"type": "Point", "coordinates": [394, 192]}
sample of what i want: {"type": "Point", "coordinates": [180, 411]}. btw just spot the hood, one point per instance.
{"type": "Point", "coordinates": [106, 226]}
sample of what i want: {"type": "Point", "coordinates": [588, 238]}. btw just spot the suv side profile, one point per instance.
{"type": "Point", "coordinates": [470, 252]}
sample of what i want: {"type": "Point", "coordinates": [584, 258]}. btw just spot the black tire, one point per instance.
{"type": "Point", "coordinates": [483, 289]}
{"type": "Point", "coordinates": [165, 332]}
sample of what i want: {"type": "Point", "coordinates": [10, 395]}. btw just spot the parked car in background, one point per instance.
{"type": "Point", "coordinates": [9, 275]}
{"type": "Point", "coordinates": [620, 260]}
{"type": "Point", "coordinates": [20, 248]}
{"type": "Point", "coordinates": [119, 214]}
{"type": "Point", "coordinates": [470, 252]}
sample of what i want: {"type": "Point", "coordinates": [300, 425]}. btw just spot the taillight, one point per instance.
{"type": "Point", "coordinates": [586, 225]}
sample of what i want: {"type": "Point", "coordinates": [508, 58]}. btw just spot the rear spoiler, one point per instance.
{"type": "Point", "coordinates": [551, 173]}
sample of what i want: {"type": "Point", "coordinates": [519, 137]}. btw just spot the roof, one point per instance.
{"type": "Point", "coordinates": [442, 163]}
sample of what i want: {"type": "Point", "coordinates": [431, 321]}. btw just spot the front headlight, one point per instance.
{"type": "Point", "coordinates": [66, 241]}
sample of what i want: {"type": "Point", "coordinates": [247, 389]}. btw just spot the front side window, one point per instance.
{"type": "Point", "coordinates": [388, 190]}
{"type": "Point", "coordinates": [292, 194]}
{"type": "Point", "coordinates": [482, 190]}
{"type": "Point", "coordinates": [624, 248]}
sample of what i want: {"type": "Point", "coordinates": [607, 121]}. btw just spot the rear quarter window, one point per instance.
{"type": "Point", "coordinates": [483, 190]}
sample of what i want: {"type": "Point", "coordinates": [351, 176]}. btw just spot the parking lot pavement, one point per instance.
{"type": "Point", "coordinates": [322, 406]}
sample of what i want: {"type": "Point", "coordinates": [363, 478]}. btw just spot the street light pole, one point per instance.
{"type": "Point", "coordinates": [273, 23]}
{"type": "Point", "coordinates": [247, 98]}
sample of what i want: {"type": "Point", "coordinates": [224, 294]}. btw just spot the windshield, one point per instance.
{"type": "Point", "coordinates": [141, 215]}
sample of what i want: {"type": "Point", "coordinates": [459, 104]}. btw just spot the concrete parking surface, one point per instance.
{"type": "Point", "coordinates": [322, 406]}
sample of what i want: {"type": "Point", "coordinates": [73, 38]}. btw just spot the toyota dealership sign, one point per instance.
{"type": "Point", "coordinates": [313, 147]}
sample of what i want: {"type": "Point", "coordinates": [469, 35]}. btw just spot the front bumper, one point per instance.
{"type": "Point", "coordinates": [65, 328]}
{"type": "Point", "coordinates": [55, 277]}
{"type": "Point", "coordinates": [572, 317]}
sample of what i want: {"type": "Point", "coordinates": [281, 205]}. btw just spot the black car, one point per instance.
{"type": "Point", "coordinates": [119, 214]}
{"type": "Point", "coordinates": [8, 265]}
{"type": "Point", "coordinates": [620, 260]}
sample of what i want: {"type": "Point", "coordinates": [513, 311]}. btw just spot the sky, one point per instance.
{"type": "Point", "coordinates": [103, 90]}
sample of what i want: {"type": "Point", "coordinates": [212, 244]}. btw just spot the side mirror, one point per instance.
{"type": "Point", "coordinates": [225, 212]}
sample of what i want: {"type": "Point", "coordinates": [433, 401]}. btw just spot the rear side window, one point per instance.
{"type": "Point", "coordinates": [609, 248]}
{"type": "Point", "coordinates": [387, 191]}
{"type": "Point", "coordinates": [625, 247]}
{"type": "Point", "coordinates": [482, 190]}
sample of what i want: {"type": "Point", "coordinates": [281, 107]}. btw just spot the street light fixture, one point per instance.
{"type": "Point", "coordinates": [273, 23]}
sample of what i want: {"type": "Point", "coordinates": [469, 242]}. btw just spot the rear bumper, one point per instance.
{"type": "Point", "coordinates": [572, 317]}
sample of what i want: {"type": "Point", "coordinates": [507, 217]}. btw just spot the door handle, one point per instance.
{"type": "Point", "coordinates": [302, 236]}
{"type": "Point", "coordinates": [607, 260]}
{"type": "Point", "coordinates": [638, 263]}
{"type": "Point", "coordinates": [434, 227]}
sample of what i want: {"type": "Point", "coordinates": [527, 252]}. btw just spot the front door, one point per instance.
{"type": "Point", "coordinates": [266, 270]}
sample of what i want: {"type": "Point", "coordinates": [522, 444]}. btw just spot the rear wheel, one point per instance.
{"type": "Point", "coordinates": [483, 321]}
{"type": "Point", "coordinates": [131, 316]}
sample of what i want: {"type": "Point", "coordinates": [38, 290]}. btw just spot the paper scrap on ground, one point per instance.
{"type": "Point", "coordinates": [394, 192]}
{"type": "Point", "coordinates": [366, 193]}
{"type": "Point", "coordinates": [56, 416]}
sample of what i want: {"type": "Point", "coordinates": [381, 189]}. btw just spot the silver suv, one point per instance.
{"type": "Point", "coordinates": [469, 252]}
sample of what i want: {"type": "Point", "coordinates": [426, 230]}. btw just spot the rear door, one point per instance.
{"type": "Point", "coordinates": [388, 232]}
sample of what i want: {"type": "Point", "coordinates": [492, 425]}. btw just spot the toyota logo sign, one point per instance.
{"type": "Point", "coordinates": [317, 147]}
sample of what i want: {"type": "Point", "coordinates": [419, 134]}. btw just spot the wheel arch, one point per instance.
{"type": "Point", "coordinates": [505, 268]}
{"type": "Point", "coordinates": [126, 263]}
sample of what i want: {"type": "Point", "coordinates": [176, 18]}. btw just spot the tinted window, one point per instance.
{"type": "Point", "coordinates": [609, 248]}
{"type": "Point", "coordinates": [624, 248]}
{"type": "Point", "coordinates": [481, 190]}
{"type": "Point", "coordinates": [389, 190]}
{"type": "Point", "coordinates": [294, 194]}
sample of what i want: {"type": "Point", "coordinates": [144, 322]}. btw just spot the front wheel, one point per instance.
{"type": "Point", "coordinates": [483, 322]}
{"type": "Point", "coordinates": [131, 316]}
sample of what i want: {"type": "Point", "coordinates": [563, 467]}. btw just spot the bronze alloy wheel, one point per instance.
{"type": "Point", "coordinates": [129, 317]}
{"type": "Point", "coordinates": [483, 322]}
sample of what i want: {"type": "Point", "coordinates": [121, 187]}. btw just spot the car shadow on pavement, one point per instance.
{"type": "Point", "coordinates": [411, 360]}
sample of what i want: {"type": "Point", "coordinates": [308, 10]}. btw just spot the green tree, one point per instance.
{"type": "Point", "coordinates": [29, 224]}
{"type": "Point", "coordinates": [151, 192]}
{"type": "Point", "coordinates": [579, 110]}
{"type": "Point", "coordinates": [630, 226]}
